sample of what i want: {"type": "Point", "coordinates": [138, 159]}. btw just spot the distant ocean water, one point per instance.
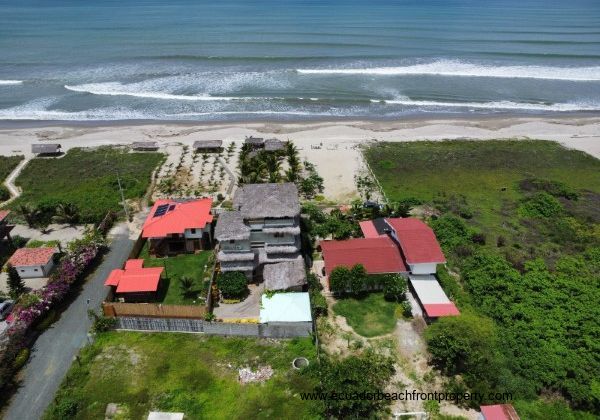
{"type": "Point", "coordinates": [296, 59]}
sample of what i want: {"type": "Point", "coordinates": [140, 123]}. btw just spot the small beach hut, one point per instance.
{"type": "Point", "coordinates": [46, 149]}
{"type": "Point", "coordinates": [207, 146]}
{"type": "Point", "coordinates": [255, 142]}
{"type": "Point", "coordinates": [145, 146]}
{"type": "Point", "coordinates": [273, 145]}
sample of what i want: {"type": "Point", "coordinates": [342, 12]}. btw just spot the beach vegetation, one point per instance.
{"type": "Point", "coordinates": [83, 179]}
{"type": "Point", "coordinates": [525, 296]}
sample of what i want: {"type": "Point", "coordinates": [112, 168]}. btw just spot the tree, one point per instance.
{"type": "Point", "coordinates": [186, 285]}
{"type": "Point", "coordinates": [394, 287]}
{"type": "Point", "coordinates": [340, 279]}
{"type": "Point", "coordinates": [15, 284]}
{"type": "Point", "coordinates": [67, 213]}
{"type": "Point", "coordinates": [355, 375]}
{"type": "Point", "coordinates": [358, 279]}
{"type": "Point", "coordinates": [232, 284]}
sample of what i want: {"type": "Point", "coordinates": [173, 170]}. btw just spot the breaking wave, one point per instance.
{"type": "Point", "coordinates": [10, 82]}
{"type": "Point", "coordinates": [465, 69]}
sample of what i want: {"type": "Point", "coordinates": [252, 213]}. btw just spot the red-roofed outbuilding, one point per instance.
{"type": "Point", "coordinates": [135, 283]}
{"type": "Point", "coordinates": [33, 262]}
{"type": "Point", "coordinates": [499, 412]}
{"type": "Point", "coordinates": [378, 255]}
{"type": "Point", "coordinates": [420, 247]}
{"type": "Point", "coordinates": [174, 227]}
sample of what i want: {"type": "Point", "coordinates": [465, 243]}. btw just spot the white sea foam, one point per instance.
{"type": "Point", "coordinates": [10, 82]}
{"type": "Point", "coordinates": [506, 105]}
{"type": "Point", "coordinates": [118, 89]}
{"type": "Point", "coordinates": [465, 69]}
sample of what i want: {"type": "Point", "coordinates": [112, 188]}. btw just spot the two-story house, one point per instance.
{"type": "Point", "coordinates": [263, 228]}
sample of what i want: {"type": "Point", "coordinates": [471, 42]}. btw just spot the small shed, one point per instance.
{"type": "Point", "coordinates": [255, 142]}
{"type": "Point", "coordinates": [285, 275]}
{"type": "Point", "coordinates": [135, 283]}
{"type": "Point", "coordinates": [208, 146]}
{"type": "Point", "coordinates": [33, 263]}
{"type": "Point", "coordinates": [145, 146]}
{"type": "Point", "coordinates": [46, 148]}
{"type": "Point", "coordinates": [286, 308]}
{"type": "Point", "coordinates": [498, 412]}
{"type": "Point", "coordinates": [274, 145]}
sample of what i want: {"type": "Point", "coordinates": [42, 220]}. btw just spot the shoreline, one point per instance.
{"type": "Point", "coordinates": [331, 145]}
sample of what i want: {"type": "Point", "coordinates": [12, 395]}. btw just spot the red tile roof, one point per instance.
{"type": "Point", "coordinates": [436, 310]}
{"type": "Point", "coordinates": [3, 214]}
{"type": "Point", "coordinates": [184, 215]}
{"type": "Point", "coordinates": [499, 412]}
{"type": "Point", "coordinates": [417, 240]}
{"type": "Point", "coordinates": [377, 255]}
{"type": "Point", "coordinates": [368, 229]}
{"type": "Point", "coordinates": [31, 256]}
{"type": "Point", "coordinates": [134, 278]}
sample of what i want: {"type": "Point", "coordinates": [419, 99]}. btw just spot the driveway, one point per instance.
{"type": "Point", "coordinates": [248, 308]}
{"type": "Point", "coordinates": [56, 348]}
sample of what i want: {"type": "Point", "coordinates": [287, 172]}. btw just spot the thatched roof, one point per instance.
{"type": "Point", "coordinates": [45, 148]}
{"type": "Point", "coordinates": [256, 201]}
{"type": "Point", "coordinates": [284, 275]}
{"type": "Point", "coordinates": [230, 226]}
{"type": "Point", "coordinates": [208, 144]}
{"type": "Point", "coordinates": [144, 145]}
{"type": "Point", "coordinates": [272, 145]}
{"type": "Point", "coordinates": [255, 141]}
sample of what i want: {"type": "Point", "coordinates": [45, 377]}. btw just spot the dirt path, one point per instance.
{"type": "Point", "coordinates": [10, 181]}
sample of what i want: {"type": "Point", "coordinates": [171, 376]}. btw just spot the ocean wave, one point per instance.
{"type": "Point", "coordinates": [10, 82]}
{"type": "Point", "coordinates": [498, 105]}
{"type": "Point", "coordinates": [118, 89]}
{"type": "Point", "coordinates": [465, 69]}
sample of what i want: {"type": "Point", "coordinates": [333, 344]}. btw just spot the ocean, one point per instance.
{"type": "Point", "coordinates": [244, 60]}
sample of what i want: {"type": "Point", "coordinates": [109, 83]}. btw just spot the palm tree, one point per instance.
{"type": "Point", "coordinates": [273, 167]}
{"type": "Point", "coordinates": [186, 285]}
{"type": "Point", "coordinates": [67, 213]}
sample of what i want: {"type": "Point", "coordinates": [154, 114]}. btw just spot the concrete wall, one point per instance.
{"type": "Point", "coordinates": [270, 330]}
{"type": "Point", "coordinates": [426, 268]}
{"type": "Point", "coordinates": [32, 272]}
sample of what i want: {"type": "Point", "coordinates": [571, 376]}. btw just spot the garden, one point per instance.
{"type": "Point", "coordinates": [142, 372]}
{"type": "Point", "coordinates": [519, 222]}
{"type": "Point", "coordinates": [83, 185]}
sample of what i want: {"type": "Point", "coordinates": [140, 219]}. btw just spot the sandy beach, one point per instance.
{"type": "Point", "coordinates": [330, 145]}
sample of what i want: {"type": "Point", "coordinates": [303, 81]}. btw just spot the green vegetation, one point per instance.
{"type": "Point", "coordinates": [520, 222]}
{"type": "Point", "coordinates": [178, 267]}
{"type": "Point", "coordinates": [232, 284]}
{"type": "Point", "coordinates": [189, 373]}
{"type": "Point", "coordinates": [355, 375]}
{"type": "Point", "coordinates": [82, 185]}
{"type": "Point", "coordinates": [7, 165]}
{"type": "Point", "coordinates": [369, 315]}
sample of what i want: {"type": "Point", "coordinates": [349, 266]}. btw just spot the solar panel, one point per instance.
{"type": "Point", "coordinates": [161, 210]}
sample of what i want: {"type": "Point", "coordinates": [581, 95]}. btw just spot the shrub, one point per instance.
{"type": "Point", "coordinates": [232, 284]}
{"type": "Point", "coordinates": [540, 205]}
{"type": "Point", "coordinates": [4, 193]}
{"type": "Point", "coordinates": [451, 231]}
{"type": "Point", "coordinates": [319, 303]}
{"type": "Point", "coordinates": [340, 279]}
{"type": "Point", "coordinates": [101, 323]}
{"type": "Point", "coordinates": [478, 238]}
{"type": "Point", "coordinates": [66, 408]}
{"type": "Point", "coordinates": [394, 287]}
{"type": "Point", "coordinates": [21, 359]}
{"type": "Point", "coordinates": [358, 279]}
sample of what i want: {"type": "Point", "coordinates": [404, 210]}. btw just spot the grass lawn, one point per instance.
{"type": "Point", "coordinates": [370, 315]}
{"type": "Point", "coordinates": [487, 173]}
{"type": "Point", "coordinates": [190, 265]}
{"type": "Point", "coordinates": [187, 373]}
{"type": "Point", "coordinates": [7, 164]}
{"type": "Point", "coordinates": [87, 179]}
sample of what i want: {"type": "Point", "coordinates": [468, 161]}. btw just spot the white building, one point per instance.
{"type": "Point", "coordinates": [33, 262]}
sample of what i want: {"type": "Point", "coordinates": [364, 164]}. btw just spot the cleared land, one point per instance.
{"type": "Point", "coordinates": [184, 265]}
{"type": "Point", "coordinates": [369, 316]}
{"type": "Point", "coordinates": [87, 179]}
{"type": "Point", "coordinates": [185, 373]}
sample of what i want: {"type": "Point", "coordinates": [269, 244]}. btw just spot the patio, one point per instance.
{"type": "Point", "coordinates": [248, 308]}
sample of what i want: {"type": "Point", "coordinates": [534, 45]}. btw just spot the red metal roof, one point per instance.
{"type": "Point", "coordinates": [368, 229]}
{"type": "Point", "coordinates": [134, 278]}
{"type": "Point", "coordinates": [31, 256]}
{"type": "Point", "coordinates": [3, 214]}
{"type": "Point", "coordinates": [180, 216]}
{"type": "Point", "coordinates": [436, 310]}
{"type": "Point", "coordinates": [377, 255]}
{"type": "Point", "coordinates": [499, 412]}
{"type": "Point", "coordinates": [417, 240]}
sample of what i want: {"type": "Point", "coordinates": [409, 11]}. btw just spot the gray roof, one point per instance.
{"type": "Point", "coordinates": [230, 226]}
{"type": "Point", "coordinates": [45, 148]}
{"type": "Point", "coordinates": [284, 275]}
{"type": "Point", "coordinates": [144, 145]}
{"type": "Point", "coordinates": [255, 140]}
{"type": "Point", "coordinates": [273, 145]}
{"type": "Point", "coordinates": [256, 201]}
{"type": "Point", "coordinates": [208, 144]}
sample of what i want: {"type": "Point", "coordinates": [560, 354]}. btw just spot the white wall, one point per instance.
{"type": "Point", "coordinates": [32, 272]}
{"type": "Point", "coordinates": [425, 268]}
{"type": "Point", "coordinates": [199, 232]}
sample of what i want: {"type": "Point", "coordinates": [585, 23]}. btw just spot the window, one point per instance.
{"type": "Point", "coordinates": [193, 231]}
{"type": "Point", "coordinates": [231, 241]}
{"type": "Point", "coordinates": [279, 235]}
{"type": "Point", "coordinates": [35, 269]}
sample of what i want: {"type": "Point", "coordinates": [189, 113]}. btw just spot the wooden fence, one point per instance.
{"type": "Point", "coordinates": [152, 310]}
